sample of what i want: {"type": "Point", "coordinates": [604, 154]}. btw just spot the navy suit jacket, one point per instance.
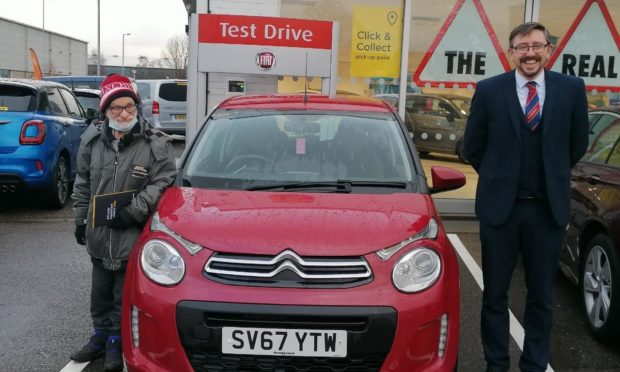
{"type": "Point", "coordinates": [493, 136]}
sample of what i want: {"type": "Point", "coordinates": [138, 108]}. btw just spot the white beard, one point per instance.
{"type": "Point", "coordinates": [122, 127]}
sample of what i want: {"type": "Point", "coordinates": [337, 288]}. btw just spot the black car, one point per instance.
{"type": "Point", "coordinates": [591, 253]}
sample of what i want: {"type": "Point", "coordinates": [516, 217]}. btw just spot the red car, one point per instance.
{"type": "Point", "coordinates": [300, 236]}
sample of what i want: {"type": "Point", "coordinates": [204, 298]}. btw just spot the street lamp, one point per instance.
{"type": "Point", "coordinates": [123, 54]}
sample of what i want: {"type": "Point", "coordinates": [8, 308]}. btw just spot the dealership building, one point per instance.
{"type": "Point", "coordinates": [388, 48]}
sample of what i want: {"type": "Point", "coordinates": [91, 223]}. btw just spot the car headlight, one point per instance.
{"type": "Point", "coordinates": [417, 270]}
{"type": "Point", "coordinates": [162, 263]}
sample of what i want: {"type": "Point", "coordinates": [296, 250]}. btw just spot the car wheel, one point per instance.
{"type": "Point", "coordinates": [57, 195]}
{"type": "Point", "coordinates": [459, 153]}
{"type": "Point", "coordinates": [600, 277]}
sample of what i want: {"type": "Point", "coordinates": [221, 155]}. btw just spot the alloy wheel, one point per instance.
{"type": "Point", "coordinates": [597, 286]}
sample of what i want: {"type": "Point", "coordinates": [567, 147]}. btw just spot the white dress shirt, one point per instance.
{"type": "Point", "coordinates": [522, 90]}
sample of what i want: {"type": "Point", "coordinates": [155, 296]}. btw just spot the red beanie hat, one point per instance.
{"type": "Point", "coordinates": [115, 86]}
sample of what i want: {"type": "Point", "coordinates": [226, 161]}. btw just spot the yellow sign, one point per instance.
{"type": "Point", "coordinates": [376, 41]}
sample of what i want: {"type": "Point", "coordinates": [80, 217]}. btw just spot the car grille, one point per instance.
{"type": "Point", "coordinates": [370, 333]}
{"type": "Point", "coordinates": [288, 269]}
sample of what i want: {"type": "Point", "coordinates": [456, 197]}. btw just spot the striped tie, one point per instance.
{"type": "Point", "coordinates": [532, 107]}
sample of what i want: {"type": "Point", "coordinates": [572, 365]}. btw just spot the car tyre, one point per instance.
{"type": "Point", "coordinates": [459, 152]}
{"type": "Point", "coordinates": [58, 193]}
{"type": "Point", "coordinates": [600, 278]}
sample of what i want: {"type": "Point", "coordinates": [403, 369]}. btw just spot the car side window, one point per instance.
{"type": "Point", "coordinates": [144, 90]}
{"type": "Point", "coordinates": [614, 158]}
{"type": "Point", "coordinates": [603, 136]}
{"type": "Point", "coordinates": [72, 105]}
{"type": "Point", "coordinates": [55, 102]}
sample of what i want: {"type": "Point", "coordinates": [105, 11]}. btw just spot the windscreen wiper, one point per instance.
{"type": "Point", "coordinates": [392, 184]}
{"type": "Point", "coordinates": [338, 186]}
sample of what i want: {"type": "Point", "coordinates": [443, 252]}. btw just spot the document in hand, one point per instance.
{"type": "Point", "coordinates": [106, 206]}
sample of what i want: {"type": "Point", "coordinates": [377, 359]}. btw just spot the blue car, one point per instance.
{"type": "Point", "coordinates": [40, 127]}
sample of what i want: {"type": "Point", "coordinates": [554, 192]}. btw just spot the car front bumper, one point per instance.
{"type": "Point", "coordinates": [180, 327]}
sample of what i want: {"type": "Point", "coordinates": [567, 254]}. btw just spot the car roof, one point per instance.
{"type": "Point", "coordinates": [30, 83]}
{"type": "Point", "coordinates": [314, 102]}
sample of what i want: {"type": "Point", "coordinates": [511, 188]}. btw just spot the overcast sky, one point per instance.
{"type": "Point", "coordinates": [151, 23]}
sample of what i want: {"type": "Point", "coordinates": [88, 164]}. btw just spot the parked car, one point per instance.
{"type": "Point", "coordinates": [88, 98]}
{"type": "Point", "coordinates": [164, 103]}
{"type": "Point", "coordinates": [75, 82]}
{"type": "Point", "coordinates": [436, 122]}
{"type": "Point", "coordinates": [40, 127]}
{"type": "Point", "coordinates": [298, 236]}
{"type": "Point", "coordinates": [591, 254]}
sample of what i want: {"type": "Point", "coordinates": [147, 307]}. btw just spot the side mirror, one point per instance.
{"type": "Point", "coordinates": [446, 179]}
{"type": "Point", "coordinates": [91, 114]}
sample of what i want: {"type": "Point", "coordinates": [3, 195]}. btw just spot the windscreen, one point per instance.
{"type": "Point", "coordinates": [88, 101]}
{"type": "Point", "coordinates": [240, 147]}
{"type": "Point", "coordinates": [16, 98]}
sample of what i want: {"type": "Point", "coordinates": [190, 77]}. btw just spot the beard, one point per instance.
{"type": "Point", "coordinates": [122, 127]}
{"type": "Point", "coordinates": [526, 69]}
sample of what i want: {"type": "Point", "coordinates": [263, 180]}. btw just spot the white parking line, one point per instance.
{"type": "Point", "coordinates": [516, 330]}
{"type": "Point", "coordinates": [74, 367]}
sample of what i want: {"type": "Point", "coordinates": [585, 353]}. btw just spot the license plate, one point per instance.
{"type": "Point", "coordinates": [279, 341]}
{"type": "Point", "coordinates": [180, 117]}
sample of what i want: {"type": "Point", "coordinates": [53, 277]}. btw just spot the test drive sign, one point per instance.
{"type": "Point", "coordinates": [250, 44]}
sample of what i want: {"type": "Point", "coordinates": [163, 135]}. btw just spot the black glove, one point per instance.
{"type": "Point", "coordinates": [122, 220]}
{"type": "Point", "coordinates": [80, 234]}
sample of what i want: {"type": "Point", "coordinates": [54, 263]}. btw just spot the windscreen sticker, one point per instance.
{"type": "Point", "coordinates": [300, 146]}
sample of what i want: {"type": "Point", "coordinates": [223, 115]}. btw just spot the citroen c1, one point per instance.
{"type": "Point", "coordinates": [300, 236]}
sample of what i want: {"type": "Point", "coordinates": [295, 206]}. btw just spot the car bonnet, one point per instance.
{"type": "Point", "coordinates": [309, 223]}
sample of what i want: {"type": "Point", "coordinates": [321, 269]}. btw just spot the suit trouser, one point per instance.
{"type": "Point", "coordinates": [531, 231]}
{"type": "Point", "coordinates": [105, 297]}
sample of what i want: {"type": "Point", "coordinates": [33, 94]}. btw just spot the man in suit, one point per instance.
{"type": "Point", "coordinates": [526, 130]}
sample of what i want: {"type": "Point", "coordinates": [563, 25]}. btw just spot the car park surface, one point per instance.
{"type": "Point", "coordinates": [591, 254]}
{"type": "Point", "coordinates": [40, 127]}
{"type": "Point", "coordinates": [298, 235]}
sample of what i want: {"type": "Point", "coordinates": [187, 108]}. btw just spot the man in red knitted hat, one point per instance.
{"type": "Point", "coordinates": [123, 153]}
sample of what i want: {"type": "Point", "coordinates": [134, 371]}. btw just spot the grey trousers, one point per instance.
{"type": "Point", "coordinates": [105, 297]}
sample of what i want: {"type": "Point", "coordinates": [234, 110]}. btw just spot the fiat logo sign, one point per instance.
{"type": "Point", "coordinates": [266, 60]}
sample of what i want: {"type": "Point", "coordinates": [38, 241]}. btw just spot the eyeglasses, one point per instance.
{"type": "Point", "coordinates": [536, 48]}
{"type": "Point", "coordinates": [116, 110]}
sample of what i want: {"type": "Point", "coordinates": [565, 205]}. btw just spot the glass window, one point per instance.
{"type": "Point", "coordinates": [88, 101]}
{"type": "Point", "coordinates": [603, 136]}
{"type": "Point", "coordinates": [173, 92]}
{"type": "Point", "coordinates": [344, 12]}
{"type": "Point", "coordinates": [55, 102]}
{"type": "Point", "coordinates": [15, 98]}
{"type": "Point", "coordinates": [72, 105]}
{"type": "Point", "coordinates": [245, 146]}
{"type": "Point", "coordinates": [593, 61]}
{"type": "Point", "coordinates": [144, 90]}
{"type": "Point", "coordinates": [614, 158]}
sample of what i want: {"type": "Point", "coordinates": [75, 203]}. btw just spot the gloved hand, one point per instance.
{"type": "Point", "coordinates": [122, 220]}
{"type": "Point", "coordinates": [80, 234]}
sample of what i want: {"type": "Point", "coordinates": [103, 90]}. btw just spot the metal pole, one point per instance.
{"type": "Point", "coordinates": [123, 55]}
{"type": "Point", "coordinates": [98, 38]}
{"type": "Point", "coordinates": [404, 55]}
